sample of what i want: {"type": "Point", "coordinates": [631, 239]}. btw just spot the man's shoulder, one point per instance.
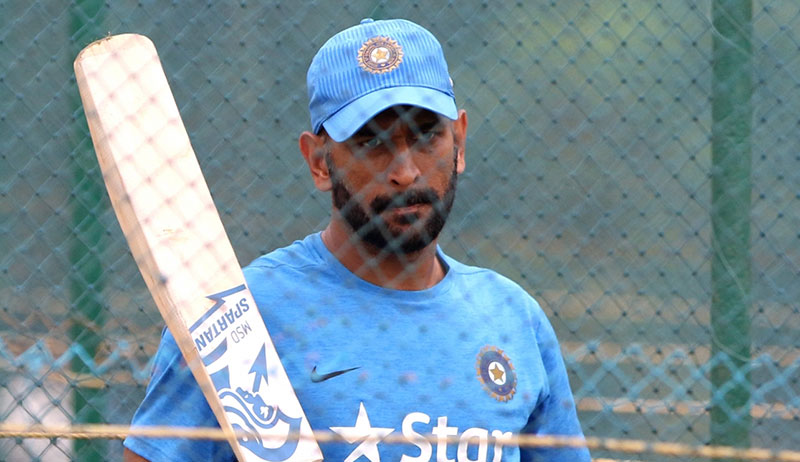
{"type": "Point", "coordinates": [487, 279]}
{"type": "Point", "coordinates": [298, 255]}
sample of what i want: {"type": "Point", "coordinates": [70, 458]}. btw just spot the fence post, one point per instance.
{"type": "Point", "coordinates": [730, 221]}
{"type": "Point", "coordinates": [86, 279]}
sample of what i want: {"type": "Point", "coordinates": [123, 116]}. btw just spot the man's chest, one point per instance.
{"type": "Point", "coordinates": [379, 384]}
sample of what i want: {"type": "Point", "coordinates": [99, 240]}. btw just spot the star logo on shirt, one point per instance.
{"type": "Point", "coordinates": [365, 434]}
{"type": "Point", "coordinates": [496, 373]}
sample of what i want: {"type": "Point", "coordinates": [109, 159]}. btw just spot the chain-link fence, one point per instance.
{"type": "Point", "coordinates": [633, 165]}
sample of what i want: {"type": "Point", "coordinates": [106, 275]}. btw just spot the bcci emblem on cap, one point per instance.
{"type": "Point", "coordinates": [496, 373]}
{"type": "Point", "coordinates": [380, 54]}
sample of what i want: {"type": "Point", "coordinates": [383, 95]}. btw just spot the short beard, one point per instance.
{"type": "Point", "coordinates": [373, 230]}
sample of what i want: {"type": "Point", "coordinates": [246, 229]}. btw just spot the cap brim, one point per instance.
{"type": "Point", "coordinates": [345, 122]}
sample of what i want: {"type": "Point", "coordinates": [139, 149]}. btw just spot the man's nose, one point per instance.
{"type": "Point", "coordinates": [403, 170]}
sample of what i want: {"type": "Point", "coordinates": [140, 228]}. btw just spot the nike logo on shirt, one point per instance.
{"type": "Point", "coordinates": [316, 377]}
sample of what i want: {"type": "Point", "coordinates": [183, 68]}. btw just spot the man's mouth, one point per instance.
{"type": "Point", "coordinates": [410, 203]}
{"type": "Point", "coordinates": [406, 209]}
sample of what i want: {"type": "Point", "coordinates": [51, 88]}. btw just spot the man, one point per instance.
{"type": "Point", "coordinates": [379, 331]}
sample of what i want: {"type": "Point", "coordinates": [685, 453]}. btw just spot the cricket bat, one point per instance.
{"type": "Point", "coordinates": [177, 238]}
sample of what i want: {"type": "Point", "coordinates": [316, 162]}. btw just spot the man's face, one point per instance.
{"type": "Point", "coordinates": [394, 181]}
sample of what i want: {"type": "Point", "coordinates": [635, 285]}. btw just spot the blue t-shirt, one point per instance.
{"type": "Point", "coordinates": [473, 357]}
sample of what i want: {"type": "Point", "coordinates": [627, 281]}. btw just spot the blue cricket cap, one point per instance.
{"type": "Point", "coordinates": [368, 68]}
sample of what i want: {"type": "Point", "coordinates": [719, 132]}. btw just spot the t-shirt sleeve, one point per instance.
{"type": "Point", "coordinates": [555, 414]}
{"type": "Point", "coordinates": [174, 398]}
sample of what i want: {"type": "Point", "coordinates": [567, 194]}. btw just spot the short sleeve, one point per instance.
{"type": "Point", "coordinates": [555, 414]}
{"type": "Point", "coordinates": [174, 398]}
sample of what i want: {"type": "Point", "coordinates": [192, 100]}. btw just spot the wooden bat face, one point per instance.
{"type": "Point", "coordinates": [176, 236]}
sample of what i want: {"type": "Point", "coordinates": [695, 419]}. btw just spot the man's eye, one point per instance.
{"type": "Point", "coordinates": [370, 143]}
{"type": "Point", "coordinates": [426, 136]}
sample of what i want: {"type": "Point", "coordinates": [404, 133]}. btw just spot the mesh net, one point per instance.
{"type": "Point", "coordinates": [620, 167]}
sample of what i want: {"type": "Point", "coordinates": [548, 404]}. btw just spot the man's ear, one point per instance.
{"type": "Point", "coordinates": [313, 149]}
{"type": "Point", "coordinates": [460, 135]}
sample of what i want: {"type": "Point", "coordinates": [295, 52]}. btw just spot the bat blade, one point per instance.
{"type": "Point", "coordinates": [177, 238]}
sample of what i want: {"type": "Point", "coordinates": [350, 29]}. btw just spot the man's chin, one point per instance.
{"type": "Point", "coordinates": [408, 245]}
{"type": "Point", "coordinates": [400, 240]}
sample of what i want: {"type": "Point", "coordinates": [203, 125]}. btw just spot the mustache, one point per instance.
{"type": "Point", "coordinates": [406, 199]}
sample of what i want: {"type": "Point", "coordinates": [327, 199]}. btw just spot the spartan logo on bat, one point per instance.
{"type": "Point", "coordinates": [245, 396]}
{"type": "Point", "coordinates": [268, 429]}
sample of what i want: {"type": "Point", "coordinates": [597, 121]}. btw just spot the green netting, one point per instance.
{"type": "Point", "coordinates": [596, 162]}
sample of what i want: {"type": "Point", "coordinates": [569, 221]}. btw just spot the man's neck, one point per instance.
{"type": "Point", "coordinates": [417, 271]}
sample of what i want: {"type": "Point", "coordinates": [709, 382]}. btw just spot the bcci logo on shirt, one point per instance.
{"type": "Point", "coordinates": [496, 373]}
{"type": "Point", "coordinates": [379, 55]}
